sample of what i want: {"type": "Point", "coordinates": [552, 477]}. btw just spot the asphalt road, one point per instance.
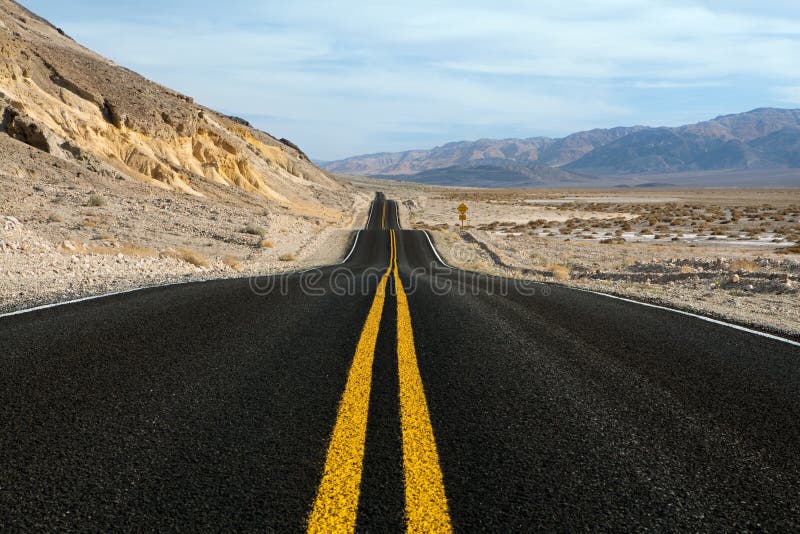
{"type": "Point", "coordinates": [341, 399]}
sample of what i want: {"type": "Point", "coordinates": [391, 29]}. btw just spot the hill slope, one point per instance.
{"type": "Point", "coordinates": [759, 139]}
{"type": "Point", "coordinates": [64, 99]}
{"type": "Point", "coordinates": [109, 181]}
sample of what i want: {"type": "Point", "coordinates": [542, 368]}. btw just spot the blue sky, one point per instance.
{"type": "Point", "coordinates": [345, 78]}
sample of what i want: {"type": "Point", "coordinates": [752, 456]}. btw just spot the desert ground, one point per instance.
{"type": "Point", "coordinates": [733, 254]}
{"type": "Point", "coordinates": [728, 253]}
{"type": "Point", "coordinates": [66, 233]}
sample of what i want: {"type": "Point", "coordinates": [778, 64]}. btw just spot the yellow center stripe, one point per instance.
{"type": "Point", "coordinates": [383, 219]}
{"type": "Point", "coordinates": [337, 497]}
{"type": "Point", "coordinates": [426, 502]}
{"type": "Point", "coordinates": [336, 504]}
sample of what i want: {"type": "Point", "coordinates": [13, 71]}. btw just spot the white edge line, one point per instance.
{"type": "Point", "coordinates": [355, 242]}
{"type": "Point", "coordinates": [353, 249]}
{"type": "Point", "coordinates": [690, 314]}
{"type": "Point", "coordinates": [134, 289]}
{"type": "Point", "coordinates": [96, 297]}
{"type": "Point", "coordinates": [436, 251]}
{"type": "Point", "coordinates": [649, 305]}
{"type": "Point", "coordinates": [369, 219]}
{"type": "Point", "coordinates": [397, 214]}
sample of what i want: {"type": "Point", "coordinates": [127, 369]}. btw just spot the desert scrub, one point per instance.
{"type": "Point", "coordinates": [287, 257]}
{"type": "Point", "coordinates": [255, 229]}
{"type": "Point", "coordinates": [126, 249]}
{"type": "Point", "coordinates": [266, 243]}
{"type": "Point", "coordinates": [743, 265]}
{"type": "Point", "coordinates": [97, 201]}
{"type": "Point", "coordinates": [233, 262]}
{"type": "Point", "coordinates": [186, 254]}
{"type": "Point", "coordinates": [559, 272]}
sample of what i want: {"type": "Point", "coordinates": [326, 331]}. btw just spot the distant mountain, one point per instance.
{"type": "Point", "coordinates": [534, 151]}
{"type": "Point", "coordinates": [494, 174]}
{"type": "Point", "coordinates": [757, 140]}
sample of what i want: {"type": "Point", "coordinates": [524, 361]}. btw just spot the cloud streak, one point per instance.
{"type": "Point", "coordinates": [365, 77]}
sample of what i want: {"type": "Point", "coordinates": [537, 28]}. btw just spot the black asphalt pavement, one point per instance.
{"type": "Point", "coordinates": [210, 406]}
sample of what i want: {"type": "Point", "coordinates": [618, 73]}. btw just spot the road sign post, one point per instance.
{"type": "Point", "coordinates": [462, 210]}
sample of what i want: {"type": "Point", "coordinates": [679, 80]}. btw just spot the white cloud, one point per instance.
{"type": "Point", "coordinates": [363, 72]}
{"type": "Point", "coordinates": [789, 95]}
{"type": "Point", "coordinates": [669, 84]}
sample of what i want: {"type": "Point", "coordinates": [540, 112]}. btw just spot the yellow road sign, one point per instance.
{"type": "Point", "coordinates": [463, 208]}
{"type": "Point", "coordinates": [462, 217]}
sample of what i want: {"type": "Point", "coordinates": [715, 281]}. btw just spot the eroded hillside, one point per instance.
{"type": "Point", "coordinates": [109, 181]}
{"type": "Point", "coordinates": [76, 105]}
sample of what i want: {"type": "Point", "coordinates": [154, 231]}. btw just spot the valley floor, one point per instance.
{"type": "Point", "coordinates": [731, 254]}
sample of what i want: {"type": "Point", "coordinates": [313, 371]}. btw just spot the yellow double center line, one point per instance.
{"type": "Point", "coordinates": [383, 220]}
{"type": "Point", "coordinates": [336, 505]}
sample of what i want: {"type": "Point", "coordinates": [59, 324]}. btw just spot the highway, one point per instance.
{"type": "Point", "coordinates": [387, 394]}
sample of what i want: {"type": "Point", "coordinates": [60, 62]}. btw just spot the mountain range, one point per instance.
{"type": "Point", "coordinates": [758, 141]}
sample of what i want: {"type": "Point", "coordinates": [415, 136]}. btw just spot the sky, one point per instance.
{"type": "Point", "coordinates": [345, 78]}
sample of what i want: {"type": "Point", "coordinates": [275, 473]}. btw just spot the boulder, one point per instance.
{"type": "Point", "coordinates": [23, 128]}
{"type": "Point", "coordinates": [10, 223]}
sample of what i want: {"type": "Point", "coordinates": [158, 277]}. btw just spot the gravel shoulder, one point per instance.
{"type": "Point", "coordinates": [766, 300]}
{"type": "Point", "coordinates": [66, 233]}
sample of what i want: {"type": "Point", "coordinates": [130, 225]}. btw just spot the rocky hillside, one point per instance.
{"type": "Point", "coordinates": [110, 182]}
{"type": "Point", "coordinates": [760, 139]}
{"type": "Point", "coordinates": [60, 98]}
{"type": "Point", "coordinates": [495, 172]}
{"type": "Point", "coordinates": [535, 151]}
{"type": "Point", "coordinates": [757, 140]}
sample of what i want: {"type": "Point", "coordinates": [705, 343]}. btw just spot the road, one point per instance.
{"type": "Point", "coordinates": [392, 393]}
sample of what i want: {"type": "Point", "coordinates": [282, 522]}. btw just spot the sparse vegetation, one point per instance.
{"type": "Point", "coordinates": [126, 249]}
{"type": "Point", "coordinates": [255, 229]}
{"type": "Point", "coordinates": [287, 257]}
{"type": "Point", "coordinates": [233, 262]}
{"type": "Point", "coordinates": [186, 254]}
{"type": "Point", "coordinates": [97, 201]}
{"type": "Point", "coordinates": [266, 243]}
{"type": "Point", "coordinates": [559, 272]}
{"type": "Point", "coordinates": [132, 249]}
{"type": "Point", "coordinates": [743, 265]}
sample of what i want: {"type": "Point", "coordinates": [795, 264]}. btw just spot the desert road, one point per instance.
{"type": "Point", "coordinates": [392, 393]}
